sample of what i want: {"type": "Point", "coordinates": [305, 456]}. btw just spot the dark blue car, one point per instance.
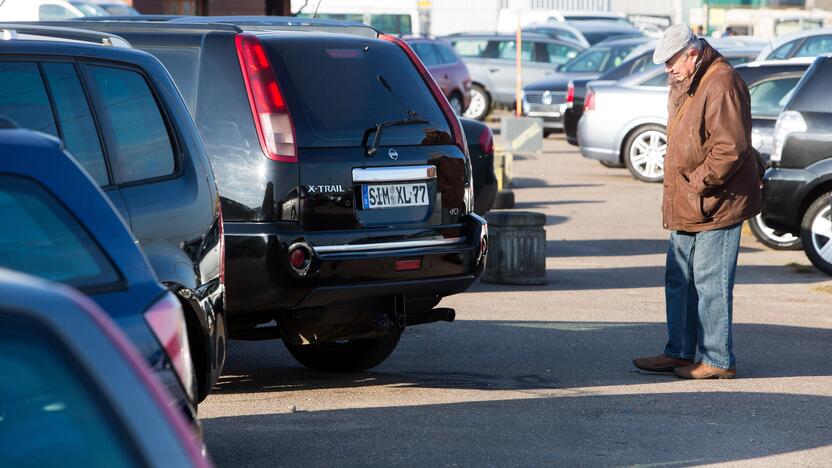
{"type": "Point", "coordinates": [58, 225]}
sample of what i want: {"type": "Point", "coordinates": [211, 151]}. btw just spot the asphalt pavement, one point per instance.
{"type": "Point", "coordinates": [542, 375]}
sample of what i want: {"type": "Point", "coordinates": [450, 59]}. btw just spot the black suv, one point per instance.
{"type": "Point", "coordinates": [345, 179]}
{"type": "Point", "coordinates": [797, 190]}
{"type": "Point", "coordinates": [121, 116]}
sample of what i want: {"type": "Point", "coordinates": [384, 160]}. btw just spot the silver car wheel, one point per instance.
{"type": "Point", "coordinates": [646, 155]}
{"type": "Point", "coordinates": [769, 237]}
{"type": "Point", "coordinates": [822, 234]}
{"type": "Point", "coordinates": [477, 109]}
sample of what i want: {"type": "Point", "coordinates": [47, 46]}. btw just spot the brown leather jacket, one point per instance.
{"type": "Point", "coordinates": [711, 173]}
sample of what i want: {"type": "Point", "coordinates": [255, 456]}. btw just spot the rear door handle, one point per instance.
{"type": "Point", "coordinates": [493, 70]}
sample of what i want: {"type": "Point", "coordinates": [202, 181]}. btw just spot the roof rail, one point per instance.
{"type": "Point", "coordinates": [283, 23]}
{"type": "Point", "coordinates": [24, 31]}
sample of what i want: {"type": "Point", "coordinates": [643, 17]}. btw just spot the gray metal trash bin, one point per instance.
{"type": "Point", "coordinates": [517, 248]}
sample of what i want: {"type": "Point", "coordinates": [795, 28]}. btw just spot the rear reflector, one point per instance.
{"type": "Point", "coordinates": [271, 116]}
{"type": "Point", "coordinates": [450, 115]}
{"type": "Point", "coordinates": [408, 265]}
{"type": "Point", "coordinates": [167, 321]}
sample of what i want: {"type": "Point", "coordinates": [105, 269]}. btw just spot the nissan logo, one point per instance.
{"type": "Point", "coordinates": [393, 154]}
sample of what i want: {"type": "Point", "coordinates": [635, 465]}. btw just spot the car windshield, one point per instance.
{"type": "Point", "coordinates": [90, 9]}
{"type": "Point", "coordinates": [598, 59]}
{"type": "Point", "coordinates": [45, 240]}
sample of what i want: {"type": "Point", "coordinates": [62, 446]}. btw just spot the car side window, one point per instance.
{"type": "Point", "coordinates": [814, 46]}
{"type": "Point", "coordinates": [23, 97]}
{"type": "Point", "coordinates": [75, 118]}
{"type": "Point", "coordinates": [427, 53]}
{"type": "Point", "coordinates": [471, 48]}
{"type": "Point", "coordinates": [141, 140]}
{"type": "Point", "coordinates": [659, 80]}
{"type": "Point", "coordinates": [55, 414]}
{"type": "Point", "coordinates": [769, 97]}
{"type": "Point", "coordinates": [782, 52]}
{"type": "Point", "coordinates": [446, 54]}
{"type": "Point", "coordinates": [54, 13]}
{"type": "Point", "coordinates": [507, 50]}
{"type": "Point", "coordinates": [46, 240]}
{"type": "Point", "coordinates": [558, 53]}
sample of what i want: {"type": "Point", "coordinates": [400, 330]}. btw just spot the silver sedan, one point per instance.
{"type": "Point", "coordinates": [624, 121]}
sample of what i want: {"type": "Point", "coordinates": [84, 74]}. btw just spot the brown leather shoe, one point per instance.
{"type": "Point", "coordinates": [661, 363]}
{"type": "Point", "coordinates": [700, 370]}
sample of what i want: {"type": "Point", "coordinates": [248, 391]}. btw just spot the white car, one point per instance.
{"type": "Point", "coordinates": [39, 10]}
{"type": "Point", "coordinates": [806, 43]}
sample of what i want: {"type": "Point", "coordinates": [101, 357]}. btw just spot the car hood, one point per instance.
{"type": "Point", "coordinates": [557, 81]}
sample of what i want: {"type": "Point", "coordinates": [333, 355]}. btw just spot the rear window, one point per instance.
{"type": "Point", "coordinates": [45, 240]}
{"type": "Point", "coordinates": [337, 92]}
{"type": "Point", "coordinates": [598, 59]}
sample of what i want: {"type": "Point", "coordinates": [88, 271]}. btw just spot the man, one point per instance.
{"type": "Point", "coordinates": [711, 185]}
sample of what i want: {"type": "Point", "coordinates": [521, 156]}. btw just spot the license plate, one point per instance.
{"type": "Point", "coordinates": [394, 195]}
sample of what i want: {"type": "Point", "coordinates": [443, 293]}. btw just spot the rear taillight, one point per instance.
{"type": "Point", "coordinates": [222, 244]}
{"type": "Point", "coordinates": [589, 101]}
{"type": "Point", "coordinates": [789, 122]}
{"type": "Point", "coordinates": [167, 321]}
{"type": "Point", "coordinates": [456, 127]}
{"type": "Point", "coordinates": [271, 116]}
{"type": "Point", "coordinates": [570, 95]}
{"type": "Point", "coordinates": [487, 141]}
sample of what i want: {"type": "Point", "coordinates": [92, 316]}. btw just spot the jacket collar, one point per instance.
{"type": "Point", "coordinates": [708, 57]}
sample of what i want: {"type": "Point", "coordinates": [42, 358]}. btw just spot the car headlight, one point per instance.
{"type": "Point", "coordinates": [789, 122]}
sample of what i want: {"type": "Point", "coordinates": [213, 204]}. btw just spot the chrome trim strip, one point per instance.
{"type": "Point", "coordinates": [324, 249]}
{"type": "Point", "coordinates": [393, 174]}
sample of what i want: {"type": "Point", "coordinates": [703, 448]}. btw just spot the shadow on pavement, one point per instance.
{"type": "Point", "coordinates": [572, 428]}
{"type": "Point", "coordinates": [611, 247]}
{"type": "Point", "coordinates": [583, 279]}
{"type": "Point", "coordinates": [679, 429]}
{"type": "Point", "coordinates": [542, 204]}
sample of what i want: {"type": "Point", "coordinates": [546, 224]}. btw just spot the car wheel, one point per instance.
{"type": "Point", "coordinates": [612, 165]}
{"type": "Point", "coordinates": [816, 233]}
{"type": "Point", "coordinates": [480, 104]}
{"type": "Point", "coordinates": [345, 356]}
{"type": "Point", "coordinates": [771, 239]}
{"type": "Point", "coordinates": [644, 153]}
{"type": "Point", "coordinates": [456, 103]}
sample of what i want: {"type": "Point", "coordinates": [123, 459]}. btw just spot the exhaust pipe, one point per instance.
{"type": "Point", "coordinates": [439, 314]}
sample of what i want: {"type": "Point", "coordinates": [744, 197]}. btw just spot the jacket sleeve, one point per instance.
{"type": "Point", "coordinates": [727, 126]}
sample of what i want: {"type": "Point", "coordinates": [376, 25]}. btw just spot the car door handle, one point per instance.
{"type": "Point", "coordinates": [446, 77]}
{"type": "Point", "coordinates": [493, 70]}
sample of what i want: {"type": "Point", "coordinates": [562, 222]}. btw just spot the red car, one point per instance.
{"type": "Point", "coordinates": [447, 69]}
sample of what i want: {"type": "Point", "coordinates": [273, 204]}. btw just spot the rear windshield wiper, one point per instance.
{"type": "Point", "coordinates": [373, 149]}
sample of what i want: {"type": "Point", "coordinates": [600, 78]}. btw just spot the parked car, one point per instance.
{"type": "Point", "coordinates": [547, 97]}
{"type": "Point", "coordinates": [73, 391]}
{"type": "Point", "coordinates": [639, 59]}
{"type": "Point", "coordinates": [348, 210]}
{"type": "Point", "coordinates": [89, 8]}
{"type": "Point", "coordinates": [39, 10]}
{"type": "Point", "coordinates": [558, 30]}
{"type": "Point", "coordinates": [797, 190]}
{"type": "Point", "coordinates": [491, 60]}
{"type": "Point", "coordinates": [446, 68]}
{"type": "Point", "coordinates": [122, 117]}
{"type": "Point", "coordinates": [806, 43]}
{"type": "Point", "coordinates": [595, 31]}
{"type": "Point", "coordinates": [481, 149]}
{"type": "Point", "coordinates": [65, 230]}
{"type": "Point", "coordinates": [624, 121]}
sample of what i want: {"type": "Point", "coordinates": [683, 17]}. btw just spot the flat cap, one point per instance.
{"type": "Point", "coordinates": [675, 38]}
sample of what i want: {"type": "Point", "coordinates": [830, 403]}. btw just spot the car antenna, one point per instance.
{"type": "Point", "coordinates": [315, 15]}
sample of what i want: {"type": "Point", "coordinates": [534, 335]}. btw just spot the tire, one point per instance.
{"type": "Point", "coordinates": [767, 236]}
{"type": "Point", "coordinates": [455, 100]}
{"type": "Point", "coordinates": [644, 153]}
{"type": "Point", "coordinates": [480, 105]}
{"type": "Point", "coordinates": [816, 233]}
{"type": "Point", "coordinates": [345, 356]}
{"type": "Point", "coordinates": [612, 165]}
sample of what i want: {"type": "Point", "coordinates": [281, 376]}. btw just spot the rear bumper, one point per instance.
{"type": "Point", "coordinates": [345, 266]}
{"type": "Point", "coordinates": [783, 190]}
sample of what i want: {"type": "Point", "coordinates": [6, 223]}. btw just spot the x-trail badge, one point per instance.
{"type": "Point", "coordinates": [393, 154]}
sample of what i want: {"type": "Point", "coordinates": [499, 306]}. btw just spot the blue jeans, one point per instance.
{"type": "Point", "coordinates": [699, 294]}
